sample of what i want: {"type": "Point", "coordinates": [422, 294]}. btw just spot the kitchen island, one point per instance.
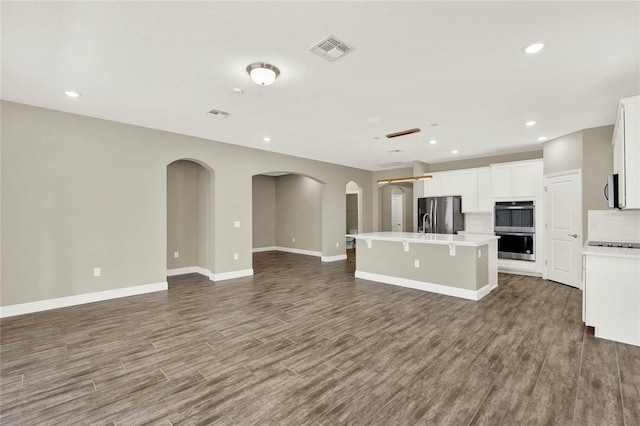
{"type": "Point", "coordinates": [456, 265]}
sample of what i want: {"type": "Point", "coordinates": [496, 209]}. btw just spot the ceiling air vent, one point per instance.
{"type": "Point", "coordinates": [218, 114]}
{"type": "Point", "coordinates": [331, 48]}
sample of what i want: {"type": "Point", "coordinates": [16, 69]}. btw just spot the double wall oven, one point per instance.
{"type": "Point", "coordinates": [514, 223]}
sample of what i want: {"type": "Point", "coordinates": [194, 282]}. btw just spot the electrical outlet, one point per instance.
{"type": "Point", "coordinates": [236, 224]}
{"type": "Point", "coordinates": [416, 263]}
{"type": "Point", "coordinates": [337, 244]}
{"type": "Point", "coordinates": [479, 254]}
{"type": "Point", "coordinates": [235, 256]}
{"type": "Point", "coordinates": [176, 254]}
{"type": "Point", "coordinates": [452, 249]}
{"type": "Point", "coordinates": [293, 240]}
{"type": "Point", "coordinates": [97, 272]}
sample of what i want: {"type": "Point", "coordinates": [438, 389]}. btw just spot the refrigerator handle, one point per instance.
{"type": "Point", "coordinates": [435, 222]}
{"type": "Point", "coordinates": [430, 215]}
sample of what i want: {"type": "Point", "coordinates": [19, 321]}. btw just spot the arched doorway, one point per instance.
{"type": "Point", "coordinates": [287, 213]}
{"type": "Point", "coordinates": [402, 193]}
{"type": "Point", "coordinates": [353, 212]}
{"type": "Point", "coordinates": [189, 218]}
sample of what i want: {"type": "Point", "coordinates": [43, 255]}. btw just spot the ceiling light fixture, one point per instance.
{"type": "Point", "coordinates": [455, 151]}
{"type": "Point", "coordinates": [433, 141]}
{"type": "Point", "coordinates": [542, 138]}
{"type": "Point", "coordinates": [263, 74]}
{"type": "Point", "coordinates": [266, 139]}
{"type": "Point", "coordinates": [72, 94]}
{"type": "Point", "coordinates": [534, 48]}
{"type": "Point", "coordinates": [404, 179]}
{"type": "Point", "coordinates": [530, 123]}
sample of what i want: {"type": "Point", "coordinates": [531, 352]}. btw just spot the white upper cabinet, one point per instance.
{"type": "Point", "coordinates": [626, 152]}
{"type": "Point", "coordinates": [516, 180]}
{"type": "Point", "coordinates": [433, 186]}
{"type": "Point", "coordinates": [502, 181]}
{"type": "Point", "coordinates": [451, 183]}
{"type": "Point", "coordinates": [485, 200]}
{"type": "Point", "coordinates": [469, 183]}
{"type": "Point", "coordinates": [475, 186]}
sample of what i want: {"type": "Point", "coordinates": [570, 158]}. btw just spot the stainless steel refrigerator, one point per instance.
{"type": "Point", "coordinates": [440, 215]}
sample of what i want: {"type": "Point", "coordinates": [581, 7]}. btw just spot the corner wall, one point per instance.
{"type": "Point", "coordinates": [80, 192]}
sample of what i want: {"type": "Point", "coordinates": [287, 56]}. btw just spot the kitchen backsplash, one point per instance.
{"type": "Point", "coordinates": [614, 225]}
{"type": "Point", "coordinates": [478, 222]}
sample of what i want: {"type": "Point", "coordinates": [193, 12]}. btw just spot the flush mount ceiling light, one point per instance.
{"type": "Point", "coordinates": [266, 139]}
{"type": "Point", "coordinates": [263, 74]}
{"type": "Point", "coordinates": [530, 123]}
{"type": "Point", "coordinates": [542, 138]}
{"type": "Point", "coordinates": [72, 94]}
{"type": "Point", "coordinates": [455, 151]}
{"type": "Point", "coordinates": [433, 141]}
{"type": "Point", "coordinates": [534, 48]}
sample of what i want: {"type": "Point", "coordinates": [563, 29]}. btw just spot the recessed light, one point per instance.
{"type": "Point", "coordinates": [72, 94]}
{"type": "Point", "coordinates": [530, 123]}
{"type": "Point", "coordinates": [238, 90]}
{"type": "Point", "coordinates": [433, 141]}
{"type": "Point", "coordinates": [534, 48]}
{"type": "Point", "coordinates": [455, 151]}
{"type": "Point", "coordinates": [542, 138]}
{"type": "Point", "coordinates": [266, 139]}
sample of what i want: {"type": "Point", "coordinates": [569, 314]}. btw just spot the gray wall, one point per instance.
{"type": "Point", "coordinates": [563, 153]}
{"type": "Point", "coordinates": [205, 209]}
{"type": "Point", "coordinates": [298, 213]}
{"type": "Point", "coordinates": [264, 211]}
{"type": "Point", "coordinates": [591, 151]}
{"type": "Point", "coordinates": [182, 214]}
{"type": "Point", "coordinates": [352, 212]}
{"type": "Point", "coordinates": [482, 161]}
{"type": "Point", "coordinates": [80, 192]}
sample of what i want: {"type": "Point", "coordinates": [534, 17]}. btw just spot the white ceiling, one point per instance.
{"type": "Point", "coordinates": [458, 64]}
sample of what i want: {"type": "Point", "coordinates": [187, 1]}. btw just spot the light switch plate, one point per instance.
{"type": "Point", "coordinates": [236, 224]}
{"type": "Point", "coordinates": [176, 254]}
{"type": "Point", "coordinates": [235, 256]}
{"type": "Point", "coordinates": [97, 272]}
{"type": "Point", "coordinates": [416, 263]}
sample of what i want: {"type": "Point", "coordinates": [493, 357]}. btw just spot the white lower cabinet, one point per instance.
{"type": "Point", "coordinates": [611, 297]}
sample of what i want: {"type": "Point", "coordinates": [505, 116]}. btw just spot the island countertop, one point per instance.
{"type": "Point", "coordinates": [421, 238]}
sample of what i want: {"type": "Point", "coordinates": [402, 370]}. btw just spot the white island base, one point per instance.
{"type": "Point", "coordinates": [456, 265]}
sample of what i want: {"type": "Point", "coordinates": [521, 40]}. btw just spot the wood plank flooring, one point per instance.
{"type": "Point", "coordinates": [304, 342]}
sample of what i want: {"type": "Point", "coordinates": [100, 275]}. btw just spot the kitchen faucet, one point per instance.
{"type": "Point", "coordinates": [424, 222]}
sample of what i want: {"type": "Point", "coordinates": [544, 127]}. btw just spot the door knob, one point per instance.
{"type": "Point", "coordinates": [573, 235]}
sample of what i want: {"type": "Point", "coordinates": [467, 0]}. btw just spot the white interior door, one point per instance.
{"type": "Point", "coordinates": [563, 229]}
{"type": "Point", "coordinates": [396, 212]}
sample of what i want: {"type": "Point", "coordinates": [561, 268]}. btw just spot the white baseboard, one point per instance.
{"type": "Point", "coordinates": [424, 286]}
{"type": "Point", "coordinates": [334, 258]}
{"type": "Point", "coordinates": [520, 272]}
{"type": "Point", "coordinates": [231, 274]}
{"type": "Point", "coordinates": [259, 249]}
{"type": "Point", "coordinates": [289, 250]}
{"type": "Point", "coordinates": [188, 270]}
{"type": "Point", "coordinates": [79, 299]}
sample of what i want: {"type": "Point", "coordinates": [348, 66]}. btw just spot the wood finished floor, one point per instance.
{"type": "Point", "coordinates": [304, 342]}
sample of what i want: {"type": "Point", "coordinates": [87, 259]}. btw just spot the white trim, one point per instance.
{"type": "Point", "coordinates": [231, 274]}
{"type": "Point", "coordinates": [520, 272]}
{"type": "Point", "coordinates": [563, 173]}
{"type": "Point", "coordinates": [291, 250]}
{"type": "Point", "coordinates": [424, 286]}
{"type": "Point", "coordinates": [260, 249]}
{"type": "Point", "coordinates": [334, 258]}
{"type": "Point", "coordinates": [357, 192]}
{"type": "Point", "coordinates": [79, 299]}
{"type": "Point", "coordinates": [188, 270]}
